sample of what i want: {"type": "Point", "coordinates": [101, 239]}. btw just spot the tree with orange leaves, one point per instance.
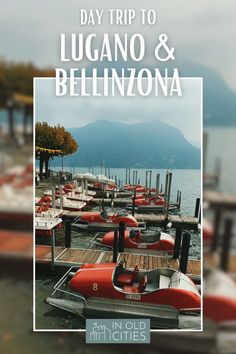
{"type": "Point", "coordinates": [18, 78]}
{"type": "Point", "coordinates": [51, 142]}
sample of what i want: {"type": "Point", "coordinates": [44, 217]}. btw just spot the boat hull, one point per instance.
{"type": "Point", "coordinates": [165, 243]}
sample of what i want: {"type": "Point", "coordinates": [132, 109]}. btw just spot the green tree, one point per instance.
{"type": "Point", "coordinates": [50, 142]}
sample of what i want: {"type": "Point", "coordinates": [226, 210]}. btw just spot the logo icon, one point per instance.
{"type": "Point", "coordinates": [100, 333]}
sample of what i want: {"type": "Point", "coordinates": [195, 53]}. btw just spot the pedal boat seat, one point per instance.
{"type": "Point", "coordinates": [127, 279]}
{"type": "Point", "coordinates": [135, 289]}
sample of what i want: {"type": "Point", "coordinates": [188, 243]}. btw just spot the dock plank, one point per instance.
{"type": "Point", "coordinates": [222, 200]}
{"type": "Point", "coordinates": [70, 256]}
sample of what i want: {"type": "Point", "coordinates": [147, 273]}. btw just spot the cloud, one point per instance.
{"type": "Point", "coordinates": [200, 30]}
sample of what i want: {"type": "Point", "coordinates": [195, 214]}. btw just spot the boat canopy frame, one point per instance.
{"type": "Point", "coordinates": [64, 281]}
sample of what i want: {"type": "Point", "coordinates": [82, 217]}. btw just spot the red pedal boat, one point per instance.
{"type": "Point", "coordinates": [68, 204]}
{"type": "Point", "coordinates": [138, 189]}
{"type": "Point", "coordinates": [46, 218]}
{"type": "Point", "coordinates": [150, 203]}
{"type": "Point", "coordinates": [95, 220]}
{"type": "Point", "coordinates": [220, 298]}
{"type": "Point", "coordinates": [159, 241]}
{"type": "Point", "coordinates": [164, 286]}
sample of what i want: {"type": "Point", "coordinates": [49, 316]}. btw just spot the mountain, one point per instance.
{"type": "Point", "coordinates": [143, 145]}
{"type": "Point", "coordinates": [219, 101]}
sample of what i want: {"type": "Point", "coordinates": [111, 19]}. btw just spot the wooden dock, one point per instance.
{"type": "Point", "coordinates": [69, 257]}
{"type": "Point", "coordinates": [119, 202]}
{"type": "Point", "coordinates": [220, 200]}
{"type": "Point", "coordinates": [187, 222]}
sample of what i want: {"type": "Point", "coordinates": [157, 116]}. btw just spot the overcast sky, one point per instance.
{"type": "Point", "coordinates": [181, 112]}
{"type": "Point", "coordinates": [202, 31]}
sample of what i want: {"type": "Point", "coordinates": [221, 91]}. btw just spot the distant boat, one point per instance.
{"type": "Point", "coordinates": [67, 204]}
{"type": "Point", "coordinates": [150, 204]}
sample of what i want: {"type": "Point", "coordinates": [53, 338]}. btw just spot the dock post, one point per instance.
{"type": "Point", "coordinates": [157, 184]}
{"type": "Point", "coordinates": [133, 177]}
{"type": "Point", "coordinates": [180, 196]}
{"type": "Point", "coordinates": [197, 208]}
{"type": "Point", "coordinates": [165, 193]}
{"type": "Point", "coordinates": [133, 204]}
{"type": "Point", "coordinates": [103, 196]}
{"type": "Point", "coordinates": [53, 197]}
{"type": "Point", "coordinates": [121, 240]}
{"type": "Point", "coordinates": [200, 216]}
{"type": "Point", "coordinates": [146, 179]}
{"type": "Point", "coordinates": [224, 261]}
{"type": "Point", "coordinates": [53, 250]}
{"type": "Point", "coordinates": [67, 234]}
{"type": "Point", "coordinates": [61, 197]}
{"type": "Point", "coordinates": [126, 176]}
{"type": "Point", "coordinates": [178, 239]}
{"type": "Point", "coordinates": [82, 186]}
{"type": "Point", "coordinates": [183, 263]}
{"type": "Point", "coordinates": [86, 186]}
{"type": "Point", "coordinates": [161, 188]}
{"type": "Point", "coordinates": [139, 181]}
{"type": "Point", "coordinates": [129, 175]}
{"type": "Point", "coordinates": [169, 191]}
{"type": "Point", "coordinates": [177, 198]}
{"type": "Point", "coordinates": [115, 251]}
{"type": "Point", "coordinates": [150, 180]}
